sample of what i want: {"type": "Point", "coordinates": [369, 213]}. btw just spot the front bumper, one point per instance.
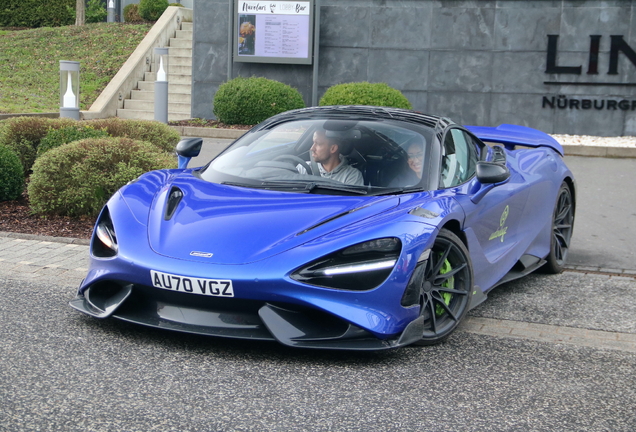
{"type": "Point", "coordinates": [291, 325]}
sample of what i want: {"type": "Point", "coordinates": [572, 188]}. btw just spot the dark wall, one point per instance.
{"type": "Point", "coordinates": [477, 62]}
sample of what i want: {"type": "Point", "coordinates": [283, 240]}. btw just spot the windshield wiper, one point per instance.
{"type": "Point", "coordinates": [306, 187]}
{"type": "Point", "coordinates": [313, 186]}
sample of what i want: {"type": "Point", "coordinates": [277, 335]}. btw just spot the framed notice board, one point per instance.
{"type": "Point", "coordinates": [273, 31]}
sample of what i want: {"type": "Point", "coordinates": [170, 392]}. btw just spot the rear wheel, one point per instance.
{"type": "Point", "coordinates": [562, 225]}
{"type": "Point", "coordinates": [446, 288]}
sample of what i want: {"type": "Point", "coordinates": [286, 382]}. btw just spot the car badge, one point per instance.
{"type": "Point", "coordinates": [201, 254]}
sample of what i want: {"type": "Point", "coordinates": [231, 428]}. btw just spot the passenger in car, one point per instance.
{"type": "Point", "coordinates": [415, 161]}
{"type": "Point", "coordinates": [328, 154]}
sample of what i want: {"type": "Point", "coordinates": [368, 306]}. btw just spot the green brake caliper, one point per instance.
{"type": "Point", "coordinates": [450, 283]}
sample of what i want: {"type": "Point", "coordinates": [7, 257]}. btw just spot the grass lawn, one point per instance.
{"type": "Point", "coordinates": [30, 62]}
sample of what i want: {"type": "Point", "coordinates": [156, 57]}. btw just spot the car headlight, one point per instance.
{"type": "Point", "coordinates": [360, 267]}
{"type": "Point", "coordinates": [104, 238]}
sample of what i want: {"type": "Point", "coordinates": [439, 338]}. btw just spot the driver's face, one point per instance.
{"type": "Point", "coordinates": [416, 158]}
{"type": "Point", "coordinates": [322, 148]}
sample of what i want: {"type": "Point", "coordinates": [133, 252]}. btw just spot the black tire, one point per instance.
{"type": "Point", "coordinates": [446, 288]}
{"type": "Point", "coordinates": [562, 226]}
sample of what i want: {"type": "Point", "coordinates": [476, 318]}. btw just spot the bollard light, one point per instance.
{"type": "Point", "coordinates": [110, 11]}
{"type": "Point", "coordinates": [160, 67]}
{"type": "Point", "coordinates": [69, 89]}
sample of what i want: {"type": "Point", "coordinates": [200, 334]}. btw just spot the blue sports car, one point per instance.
{"type": "Point", "coordinates": [360, 228]}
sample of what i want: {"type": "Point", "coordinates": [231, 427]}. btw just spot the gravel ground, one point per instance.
{"type": "Point", "coordinates": [586, 140]}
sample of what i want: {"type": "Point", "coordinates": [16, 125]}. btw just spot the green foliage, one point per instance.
{"type": "Point", "coordinates": [364, 93]}
{"type": "Point", "coordinates": [131, 14]}
{"type": "Point", "coordinates": [95, 11]}
{"type": "Point", "coordinates": [30, 62]}
{"type": "Point", "coordinates": [78, 178]}
{"type": "Point", "coordinates": [176, 4]}
{"type": "Point", "coordinates": [36, 13]}
{"type": "Point", "coordinates": [23, 135]}
{"type": "Point", "coordinates": [151, 10]}
{"type": "Point", "coordinates": [159, 134]}
{"type": "Point", "coordinates": [11, 176]}
{"type": "Point", "coordinates": [251, 100]}
{"type": "Point", "coordinates": [56, 137]}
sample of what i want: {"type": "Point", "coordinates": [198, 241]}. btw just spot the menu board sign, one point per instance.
{"type": "Point", "coordinates": [273, 31]}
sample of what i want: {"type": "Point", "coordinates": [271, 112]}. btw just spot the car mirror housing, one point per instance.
{"type": "Point", "coordinates": [187, 149]}
{"type": "Point", "coordinates": [492, 172]}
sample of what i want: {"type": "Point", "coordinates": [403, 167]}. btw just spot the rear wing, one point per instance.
{"type": "Point", "coordinates": [513, 135]}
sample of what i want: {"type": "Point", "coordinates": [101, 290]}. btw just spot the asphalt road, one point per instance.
{"type": "Point", "coordinates": [63, 371]}
{"type": "Point", "coordinates": [605, 225]}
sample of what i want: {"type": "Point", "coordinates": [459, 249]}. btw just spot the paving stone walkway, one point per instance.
{"type": "Point", "coordinates": [65, 262]}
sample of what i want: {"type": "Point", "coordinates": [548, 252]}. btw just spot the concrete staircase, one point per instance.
{"type": "Point", "coordinates": [141, 104]}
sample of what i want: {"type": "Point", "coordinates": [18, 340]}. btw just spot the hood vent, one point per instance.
{"type": "Point", "coordinates": [174, 198]}
{"type": "Point", "coordinates": [330, 219]}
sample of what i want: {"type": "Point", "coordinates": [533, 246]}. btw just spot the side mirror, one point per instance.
{"type": "Point", "coordinates": [187, 149]}
{"type": "Point", "coordinates": [492, 172]}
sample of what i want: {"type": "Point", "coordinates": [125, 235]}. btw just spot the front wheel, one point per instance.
{"type": "Point", "coordinates": [562, 226]}
{"type": "Point", "coordinates": [446, 286]}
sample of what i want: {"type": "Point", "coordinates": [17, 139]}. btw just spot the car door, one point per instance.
{"type": "Point", "coordinates": [492, 219]}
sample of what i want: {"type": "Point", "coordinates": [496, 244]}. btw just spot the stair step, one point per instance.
{"type": "Point", "coordinates": [142, 95]}
{"type": "Point", "coordinates": [180, 61]}
{"type": "Point", "coordinates": [180, 43]}
{"type": "Point", "coordinates": [182, 52]}
{"type": "Point", "coordinates": [184, 34]}
{"type": "Point", "coordinates": [149, 115]}
{"type": "Point", "coordinates": [172, 87]}
{"type": "Point", "coordinates": [149, 105]}
{"type": "Point", "coordinates": [172, 78]}
{"type": "Point", "coordinates": [141, 102]}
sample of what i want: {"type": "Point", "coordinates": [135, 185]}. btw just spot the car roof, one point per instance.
{"type": "Point", "coordinates": [359, 112]}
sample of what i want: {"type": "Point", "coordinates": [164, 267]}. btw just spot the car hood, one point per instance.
{"type": "Point", "coordinates": [225, 224]}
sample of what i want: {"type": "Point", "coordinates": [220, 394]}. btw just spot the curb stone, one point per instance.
{"type": "Point", "coordinates": [67, 240]}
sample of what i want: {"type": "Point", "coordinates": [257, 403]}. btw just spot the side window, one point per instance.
{"type": "Point", "coordinates": [459, 158]}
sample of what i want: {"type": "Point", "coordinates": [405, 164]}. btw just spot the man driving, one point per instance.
{"type": "Point", "coordinates": [327, 153]}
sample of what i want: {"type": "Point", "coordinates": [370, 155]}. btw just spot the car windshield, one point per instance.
{"type": "Point", "coordinates": [327, 156]}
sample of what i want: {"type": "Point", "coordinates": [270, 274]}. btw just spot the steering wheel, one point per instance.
{"type": "Point", "coordinates": [297, 160]}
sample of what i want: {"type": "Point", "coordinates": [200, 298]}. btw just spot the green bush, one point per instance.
{"type": "Point", "coordinates": [249, 101]}
{"type": "Point", "coordinates": [131, 14]}
{"type": "Point", "coordinates": [78, 178]}
{"type": "Point", "coordinates": [161, 135]}
{"type": "Point", "coordinates": [67, 134]}
{"type": "Point", "coordinates": [364, 93]}
{"type": "Point", "coordinates": [23, 135]}
{"type": "Point", "coordinates": [95, 11]}
{"type": "Point", "coordinates": [151, 10]}
{"type": "Point", "coordinates": [176, 4]}
{"type": "Point", "coordinates": [11, 176]}
{"type": "Point", "coordinates": [36, 13]}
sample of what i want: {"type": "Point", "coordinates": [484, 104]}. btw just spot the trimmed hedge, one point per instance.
{"type": "Point", "coordinates": [78, 178]}
{"type": "Point", "coordinates": [67, 134]}
{"type": "Point", "coordinates": [364, 93]}
{"type": "Point", "coordinates": [249, 101]}
{"type": "Point", "coordinates": [11, 176]}
{"type": "Point", "coordinates": [151, 10]}
{"type": "Point", "coordinates": [159, 134]}
{"type": "Point", "coordinates": [23, 135]}
{"type": "Point", "coordinates": [131, 14]}
{"type": "Point", "coordinates": [37, 13]}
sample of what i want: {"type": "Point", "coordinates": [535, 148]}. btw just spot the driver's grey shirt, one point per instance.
{"type": "Point", "coordinates": [343, 173]}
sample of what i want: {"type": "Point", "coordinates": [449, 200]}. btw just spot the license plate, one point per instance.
{"type": "Point", "coordinates": [209, 287]}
